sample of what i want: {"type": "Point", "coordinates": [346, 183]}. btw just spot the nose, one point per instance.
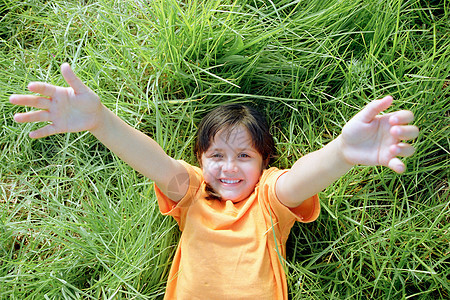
{"type": "Point", "coordinates": [230, 166]}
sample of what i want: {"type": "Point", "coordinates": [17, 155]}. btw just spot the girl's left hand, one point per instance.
{"type": "Point", "coordinates": [373, 139]}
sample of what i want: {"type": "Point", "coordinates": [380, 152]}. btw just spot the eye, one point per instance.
{"type": "Point", "coordinates": [216, 155]}
{"type": "Point", "coordinates": [243, 155]}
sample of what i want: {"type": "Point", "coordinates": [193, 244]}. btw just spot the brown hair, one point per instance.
{"type": "Point", "coordinates": [227, 117]}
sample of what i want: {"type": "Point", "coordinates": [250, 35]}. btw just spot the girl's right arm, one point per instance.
{"type": "Point", "coordinates": [78, 108]}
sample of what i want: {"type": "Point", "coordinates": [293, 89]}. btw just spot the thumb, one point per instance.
{"type": "Point", "coordinates": [368, 113]}
{"type": "Point", "coordinates": [75, 83]}
{"type": "Point", "coordinates": [396, 165]}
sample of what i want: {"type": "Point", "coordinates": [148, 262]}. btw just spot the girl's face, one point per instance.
{"type": "Point", "coordinates": [231, 166]}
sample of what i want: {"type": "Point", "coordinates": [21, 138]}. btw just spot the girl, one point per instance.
{"type": "Point", "coordinates": [234, 214]}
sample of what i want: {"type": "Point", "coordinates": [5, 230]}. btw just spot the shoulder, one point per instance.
{"type": "Point", "coordinates": [307, 211]}
{"type": "Point", "coordinates": [184, 182]}
{"type": "Point", "coordinates": [194, 174]}
{"type": "Point", "coordinates": [191, 169]}
{"type": "Point", "coordinates": [267, 183]}
{"type": "Point", "coordinates": [271, 175]}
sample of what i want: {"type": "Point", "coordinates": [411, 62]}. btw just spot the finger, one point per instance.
{"type": "Point", "coordinates": [401, 117]}
{"type": "Point", "coordinates": [42, 88]}
{"type": "Point", "coordinates": [33, 116]}
{"type": "Point", "coordinates": [30, 100]}
{"type": "Point", "coordinates": [75, 83]}
{"type": "Point", "coordinates": [405, 132]}
{"type": "Point", "coordinates": [402, 149]}
{"type": "Point", "coordinates": [368, 113]}
{"type": "Point", "coordinates": [397, 165]}
{"type": "Point", "coordinates": [43, 132]}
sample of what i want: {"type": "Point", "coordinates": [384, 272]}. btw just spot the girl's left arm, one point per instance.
{"type": "Point", "coordinates": [367, 139]}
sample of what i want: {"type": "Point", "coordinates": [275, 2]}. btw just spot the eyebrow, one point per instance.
{"type": "Point", "coordinates": [237, 150]}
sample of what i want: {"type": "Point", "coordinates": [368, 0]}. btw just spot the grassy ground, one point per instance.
{"type": "Point", "coordinates": [76, 222]}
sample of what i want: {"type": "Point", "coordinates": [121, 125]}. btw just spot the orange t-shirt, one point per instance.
{"type": "Point", "coordinates": [232, 250]}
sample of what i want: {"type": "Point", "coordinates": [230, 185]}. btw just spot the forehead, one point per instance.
{"type": "Point", "coordinates": [236, 137]}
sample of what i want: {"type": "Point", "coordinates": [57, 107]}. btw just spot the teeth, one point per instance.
{"type": "Point", "coordinates": [229, 181]}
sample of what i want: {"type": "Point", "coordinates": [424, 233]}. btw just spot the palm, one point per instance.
{"type": "Point", "coordinates": [373, 139]}
{"type": "Point", "coordinates": [368, 143]}
{"type": "Point", "coordinates": [71, 109]}
{"type": "Point", "coordinates": [70, 112]}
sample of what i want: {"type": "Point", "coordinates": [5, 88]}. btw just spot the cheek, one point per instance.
{"type": "Point", "coordinates": [210, 170]}
{"type": "Point", "coordinates": [254, 173]}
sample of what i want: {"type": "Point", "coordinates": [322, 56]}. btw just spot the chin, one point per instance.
{"type": "Point", "coordinates": [235, 198]}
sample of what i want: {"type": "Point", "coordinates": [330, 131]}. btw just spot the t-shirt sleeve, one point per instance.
{"type": "Point", "coordinates": [178, 209]}
{"type": "Point", "coordinates": [306, 212]}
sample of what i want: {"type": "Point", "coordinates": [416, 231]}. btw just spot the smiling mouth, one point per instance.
{"type": "Point", "coordinates": [228, 181]}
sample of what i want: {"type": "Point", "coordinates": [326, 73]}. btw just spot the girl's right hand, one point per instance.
{"type": "Point", "coordinates": [73, 109]}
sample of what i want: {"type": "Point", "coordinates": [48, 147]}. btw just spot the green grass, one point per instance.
{"type": "Point", "coordinates": [76, 222]}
